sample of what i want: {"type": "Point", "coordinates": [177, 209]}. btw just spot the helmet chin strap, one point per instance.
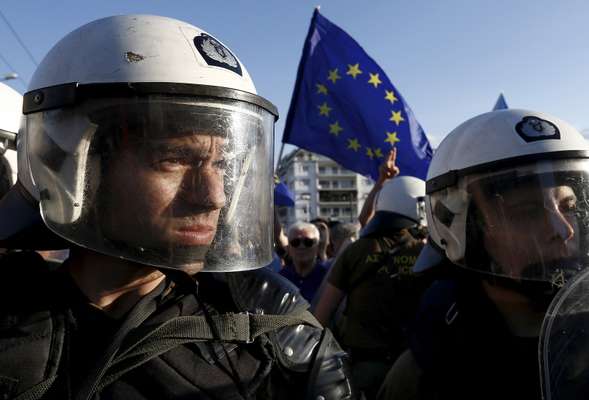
{"type": "Point", "coordinates": [539, 292]}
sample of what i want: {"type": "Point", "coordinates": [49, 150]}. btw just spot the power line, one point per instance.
{"type": "Point", "coordinates": [19, 40]}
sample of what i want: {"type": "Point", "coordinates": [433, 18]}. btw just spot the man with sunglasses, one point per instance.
{"type": "Point", "coordinates": [305, 270]}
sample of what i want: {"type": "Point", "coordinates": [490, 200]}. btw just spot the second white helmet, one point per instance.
{"type": "Point", "coordinates": [507, 195]}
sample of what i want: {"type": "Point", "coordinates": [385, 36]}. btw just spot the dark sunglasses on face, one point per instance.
{"type": "Point", "coordinates": [305, 242]}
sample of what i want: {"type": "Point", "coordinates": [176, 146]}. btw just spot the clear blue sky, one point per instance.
{"type": "Point", "coordinates": [450, 59]}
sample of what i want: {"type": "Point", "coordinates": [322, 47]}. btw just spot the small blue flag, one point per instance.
{"type": "Point", "coordinates": [282, 195]}
{"type": "Point", "coordinates": [500, 104]}
{"type": "Point", "coordinates": [344, 107]}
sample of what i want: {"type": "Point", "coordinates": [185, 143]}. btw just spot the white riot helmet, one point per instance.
{"type": "Point", "coordinates": [399, 204]}
{"type": "Point", "coordinates": [146, 140]}
{"type": "Point", "coordinates": [10, 116]}
{"type": "Point", "coordinates": [508, 195]}
{"type": "Point", "coordinates": [403, 195]}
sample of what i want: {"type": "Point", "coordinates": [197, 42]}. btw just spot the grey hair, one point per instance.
{"type": "Point", "coordinates": [343, 231]}
{"type": "Point", "coordinates": [304, 226]}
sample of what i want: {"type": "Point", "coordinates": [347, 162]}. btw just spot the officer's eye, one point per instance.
{"type": "Point", "coordinates": [220, 164]}
{"type": "Point", "coordinates": [170, 163]}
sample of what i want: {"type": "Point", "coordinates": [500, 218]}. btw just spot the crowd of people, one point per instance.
{"type": "Point", "coordinates": [142, 258]}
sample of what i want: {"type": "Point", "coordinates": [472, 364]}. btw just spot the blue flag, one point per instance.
{"type": "Point", "coordinates": [500, 104]}
{"type": "Point", "coordinates": [282, 195]}
{"type": "Point", "coordinates": [345, 107]}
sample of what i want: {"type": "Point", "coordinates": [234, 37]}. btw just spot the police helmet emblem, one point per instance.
{"type": "Point", "coordinates": [532, 129]}
{"type": "Point", "coordinates": [214, 53]}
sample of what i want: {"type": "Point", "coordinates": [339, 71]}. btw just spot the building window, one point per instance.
{"type": "Point", "coordinates": [324, 211]}
{"type": "Point", "coordinates": [335, 184]}
{"type": "Point", "coordinates": [302, 210]}
{"type": "Point", "coordinates": [302, 184]}
{"type": "Point", "coordinates": [305, 196]}
{"type": "Point", "coordinates": [322, 170]}
{"type": "Point", "coordinates": [305, 168]}
{"type": "Point", "coordinates": [323, 184]}
{"type": "Point", "coordinates": [347, 184]}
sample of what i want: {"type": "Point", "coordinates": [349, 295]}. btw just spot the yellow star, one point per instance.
{"type": "Point", "coordinates": [392, 138]}
{"type": "Point", "coordinates": [324, 109]}
{"type": "Point", "coordinates": [354, 70]}
{"type": "Point", "coordinates": [353, 144]}
{"type": "Point", "coordinates": [321, 89]}
{"type": "Point", "coordinates": [369, 153]}
{"type": "Point", "coordinates": [335, 128]}
{"type": "Point", "coordinates": [396, 117]}
{"type": "Point", "coordinates": [378, 153]}
{"type": "Point", "coordinates": [375, 80]}
{"type": "Point", "coordinates": [333, 76]}
{"type": "Point", "coordinates": [390, 96]}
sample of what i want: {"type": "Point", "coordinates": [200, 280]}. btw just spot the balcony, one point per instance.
{"type": "Point", "coordinates": [338, 197]}
{"type": "Point", "coordinates": [337, 184]}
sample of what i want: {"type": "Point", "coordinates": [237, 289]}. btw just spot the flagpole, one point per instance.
{"type": "Point", "coordinates": [279, 157]}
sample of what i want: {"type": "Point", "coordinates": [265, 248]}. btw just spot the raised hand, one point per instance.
{"type": "Point", "coordinates": [388, 169]}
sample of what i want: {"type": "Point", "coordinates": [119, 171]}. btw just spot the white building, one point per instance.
{"type": "Point", "coordinates": [322, 188]}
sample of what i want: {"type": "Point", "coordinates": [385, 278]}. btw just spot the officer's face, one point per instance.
{"type": "Point", "coordinates": [167, 192]}
{"type": "Point", "coordinates": [531, 226]}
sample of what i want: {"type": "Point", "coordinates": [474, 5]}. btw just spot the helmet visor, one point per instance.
{"type": "Point", "coordinates": [529, 222]}
{"type": "Point", "coordinates": [174, 182]}
{"type": "Point", "coordinates": [564, 343]}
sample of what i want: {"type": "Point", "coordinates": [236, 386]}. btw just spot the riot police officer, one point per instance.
{"type": "Point", "coordinates": [507, 202]}
{"type": "Point", "coordinates": [149, 154]}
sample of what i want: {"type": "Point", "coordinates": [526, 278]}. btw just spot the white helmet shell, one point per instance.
{"type": "Point", "coordinates": [10, 117]}
{"type": "Point", "coordinates": [487, 144]}
{"type": "Point", "coordinates": [502, 135]}
{"type": "Point", "coordinates": [141, 48]}
{"type": "Point", "coordinates": [131, 81]}
{"type": "Point", "coordinates": [10, 108]}
{"type": "Point", "coordinates": [403, 195]}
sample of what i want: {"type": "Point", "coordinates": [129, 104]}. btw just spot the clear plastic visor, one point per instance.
{"type": "Point", "coordinates": [525, 223]}
{"type": "Point", "coordinates": [174, 182]}
{"type": "Point", "coordinates": [564, 343]}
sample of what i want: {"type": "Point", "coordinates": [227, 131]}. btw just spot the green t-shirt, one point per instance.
{"type": "Point", "coordinates": [366, 272]}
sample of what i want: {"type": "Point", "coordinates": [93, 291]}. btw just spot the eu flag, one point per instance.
{"type": "Point", "coordinates": [345, 107]}
{"type": "Point", "coordinates": [282, 194]}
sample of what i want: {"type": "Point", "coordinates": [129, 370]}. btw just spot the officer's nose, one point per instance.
{"type": "Point", "coordinates": [560, 227]}
{"type": "Point", "coordinates": [203, 187]}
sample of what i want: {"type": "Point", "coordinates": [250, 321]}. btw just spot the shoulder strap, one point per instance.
{"type": "Point", "coordinates": [242, 327]}
{"type": "Point", "coordinates": [37, 391]}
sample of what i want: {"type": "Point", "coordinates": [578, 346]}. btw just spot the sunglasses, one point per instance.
{"type": "Point", "coordinates": [305, 242]}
